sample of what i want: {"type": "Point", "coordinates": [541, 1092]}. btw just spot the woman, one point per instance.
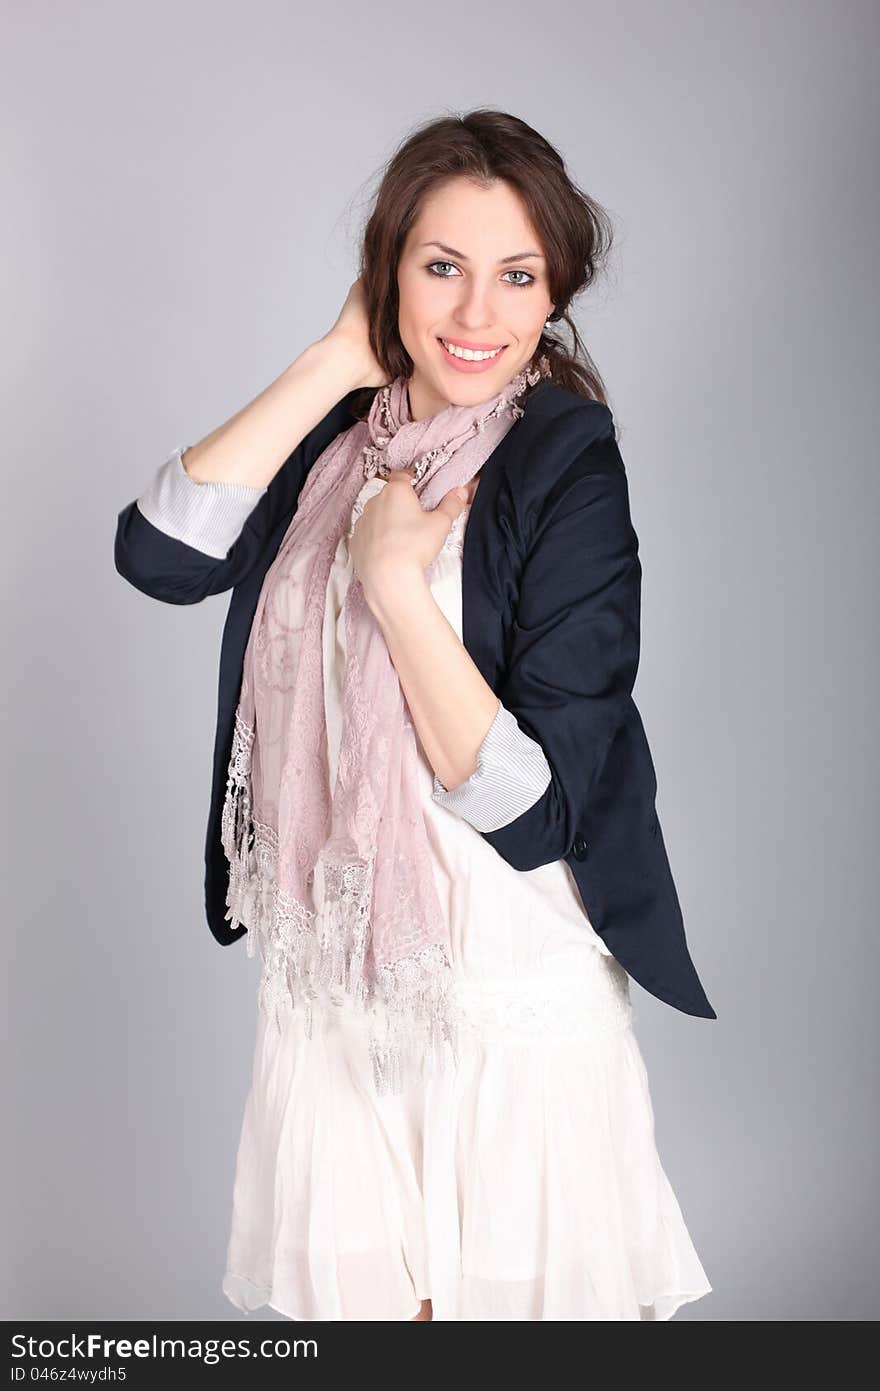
{"type": "Point", "coordinates": [449, 1114]}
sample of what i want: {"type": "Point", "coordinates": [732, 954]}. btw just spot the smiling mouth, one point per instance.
{"type": "Point", "coordinates": [467, 355]}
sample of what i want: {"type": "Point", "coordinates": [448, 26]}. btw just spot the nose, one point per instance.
{"type": "Point", "coordinates": [474, 312]}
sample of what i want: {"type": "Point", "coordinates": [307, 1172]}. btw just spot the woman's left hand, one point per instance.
{"type": "Point", "coordinates": [394, 538]}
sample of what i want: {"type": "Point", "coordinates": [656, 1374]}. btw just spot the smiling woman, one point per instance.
{"type": "Point", "coordinates": [425, 725]}
{"type": "Point", "coordinates": [563, 1210]}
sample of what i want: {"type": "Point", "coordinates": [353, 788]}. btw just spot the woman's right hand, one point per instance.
{"type": "Point", "coordinates": [351, 334]}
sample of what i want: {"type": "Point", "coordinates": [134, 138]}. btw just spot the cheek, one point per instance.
{"type": "Point", "coordinates": [423, 307]}
{"type": "Point", "coordinates": [424, 300]}
{"type": "Point", "coordinates": [530, 318]}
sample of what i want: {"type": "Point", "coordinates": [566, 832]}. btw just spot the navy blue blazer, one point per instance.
{"type": "Point", "coordinates": [551, 586]}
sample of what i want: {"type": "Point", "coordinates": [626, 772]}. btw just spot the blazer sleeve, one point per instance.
{"type": "Point", "coordinates": [510, 775]}
{"type": "Point", "coordinates": [209, 517]}
{"type": "Point", "coordinates": [574, 650]}
{"type": "Point", "coordinates": [181, 541]}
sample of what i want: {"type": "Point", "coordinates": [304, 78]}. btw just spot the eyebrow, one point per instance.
{"type": "Point", "coordinates": [459, 255]}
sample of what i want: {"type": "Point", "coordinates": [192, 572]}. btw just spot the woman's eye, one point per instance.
{"type": "Point", "coordinates": [441, 276]}
{"type": "Point", "coordinates": [528, 281]}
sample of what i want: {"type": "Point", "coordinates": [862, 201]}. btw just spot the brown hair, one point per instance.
{"type": "Point", "coordinates": [485, 145]}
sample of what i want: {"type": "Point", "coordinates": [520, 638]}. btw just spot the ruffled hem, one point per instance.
{"type": "Point", "coordinates": [247, 1297]}
{"type": "Point", "coordinates": [523, 1185]}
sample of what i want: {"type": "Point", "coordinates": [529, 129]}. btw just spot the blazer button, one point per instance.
{"type": "Point", "coordinates": [579, 847]}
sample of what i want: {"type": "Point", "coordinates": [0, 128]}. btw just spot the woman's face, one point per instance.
{"type": "Point", "coordinates": [472, 271]}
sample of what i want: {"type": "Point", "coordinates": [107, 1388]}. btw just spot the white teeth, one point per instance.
{"type": "Point", "coordinates": [467, 353]}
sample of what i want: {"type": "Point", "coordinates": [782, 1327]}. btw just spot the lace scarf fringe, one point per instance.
{"type": "Point", "coordinates": [315, 962]}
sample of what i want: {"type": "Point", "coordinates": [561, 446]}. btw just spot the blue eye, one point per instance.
{"type": "Point", "coordinates": [520, 284]}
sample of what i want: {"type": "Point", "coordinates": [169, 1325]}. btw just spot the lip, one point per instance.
{"type": "Point", "coordinates": [462, 365]}
{"type": "Point", "coordinates": [474, 347]}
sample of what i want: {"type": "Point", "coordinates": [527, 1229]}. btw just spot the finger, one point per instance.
{"type": "Point", "coordinates": [456, 497]}
{"type": "Point", "coordinates": [449, 507]}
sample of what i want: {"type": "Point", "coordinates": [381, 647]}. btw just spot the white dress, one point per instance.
{"type": "Point", "coordinates": [526, 1183]}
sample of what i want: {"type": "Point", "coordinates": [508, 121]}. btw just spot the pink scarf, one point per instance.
{"type": "Point", "coordinates": [378, 937]}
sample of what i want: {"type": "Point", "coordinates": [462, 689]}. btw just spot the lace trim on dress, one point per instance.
{"type": "Point", "coordinates": [590, 1003]}
{"type": "Point", "coordinates": [454, 543]}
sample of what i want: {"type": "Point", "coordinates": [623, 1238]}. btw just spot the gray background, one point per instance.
{"type": "Point", "coordinates": [184, 186]}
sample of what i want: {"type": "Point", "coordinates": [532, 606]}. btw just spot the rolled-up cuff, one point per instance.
{"type": "Point", "coordinates": [512, 773]}
{"type": "Point", "coordinates": [209, 517]}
